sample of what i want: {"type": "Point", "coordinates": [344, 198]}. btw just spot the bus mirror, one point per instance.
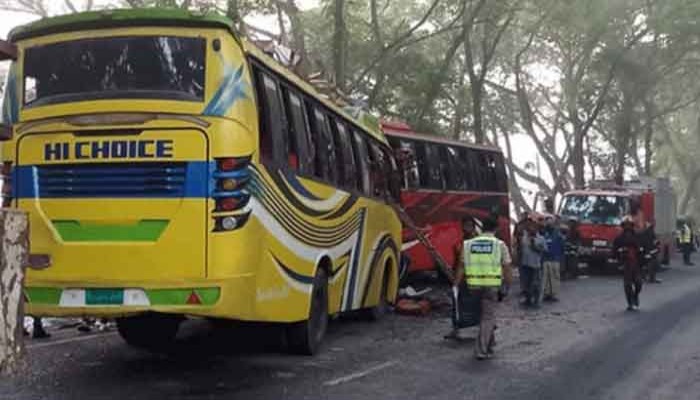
{"type": "Point", "coordinates": [5, 132]}
{"type": "Point", "coordinates": [8, 51]}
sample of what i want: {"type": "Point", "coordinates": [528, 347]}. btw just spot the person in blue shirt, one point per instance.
{"type": "Point", "coordinates": [552, 259]}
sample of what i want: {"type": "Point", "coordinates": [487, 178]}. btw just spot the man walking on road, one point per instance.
{"type": "Point", "coordinates": [627, 245]}
{"type": "Point", "coordinates": [532, 245]}
{"type": "Point", "coordinates": [551, 260]}
{"type": "Point", "coordinates": [486, 266]}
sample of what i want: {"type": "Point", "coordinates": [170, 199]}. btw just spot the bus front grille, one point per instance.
{"type": "Point", "coordinates": [112, 180]}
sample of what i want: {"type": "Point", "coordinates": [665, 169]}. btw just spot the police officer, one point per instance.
{"type": "Point", "coordinates": [686, 241]}
{"type": "Point", "coordinates": [486, 262]}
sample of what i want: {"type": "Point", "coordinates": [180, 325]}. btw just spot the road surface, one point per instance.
{"type": "Point", "coordinates": [584, 347]}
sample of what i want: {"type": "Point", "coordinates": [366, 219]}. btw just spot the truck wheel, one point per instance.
{"type": "Point", "coordinates": [305, 337]}
{"type": "Point", "coordinates": [149, 331]}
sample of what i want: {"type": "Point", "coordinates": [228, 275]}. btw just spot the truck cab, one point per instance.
{"type": "Point", "coordinates": [600, 214]}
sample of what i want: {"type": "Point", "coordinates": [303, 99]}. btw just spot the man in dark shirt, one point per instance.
{"type": "Point", "coordinates": [626, 246]}
{"type": "Point", "coordinates": [650, 247]}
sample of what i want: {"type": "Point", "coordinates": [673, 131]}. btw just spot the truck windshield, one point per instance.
{"type": "Point", "coordinates": [116, 67]}
{"type": "Point", "coordinates": [596, 209]}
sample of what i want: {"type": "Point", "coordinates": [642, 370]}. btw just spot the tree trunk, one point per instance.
{"type": "Point", "coordinates": [14, 245]}
{"type": "Point", "coordinates": [648, 136]}
{"type": "Point", "coordinates": [477, 98]}
{"type": "Point", "coordinates": [339, 44]}
{"type": "Point", "coordinates": [624, 134]}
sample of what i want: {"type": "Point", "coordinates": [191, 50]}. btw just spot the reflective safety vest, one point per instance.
{"type": "Point", "coordinates": [685, 234]}
{"type": "Point", "coordinates": [482, 267]}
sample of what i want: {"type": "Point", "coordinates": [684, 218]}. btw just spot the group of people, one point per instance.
{"type": "Point", "coordinates": [542, 252]}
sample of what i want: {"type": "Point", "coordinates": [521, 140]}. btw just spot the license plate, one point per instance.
{"type": "Point", "coordinates": [601, 243]}
{"type": "Point", "coordinates": [104, 297]}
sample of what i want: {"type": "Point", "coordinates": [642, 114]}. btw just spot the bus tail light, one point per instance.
{"type": "Point", "coordinates": [6, 178]}
{"type": "Point", "coordinates": [231, 177]}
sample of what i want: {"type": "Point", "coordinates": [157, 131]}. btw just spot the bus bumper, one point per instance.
{"type": "Point", "coordinates": [233, 298]}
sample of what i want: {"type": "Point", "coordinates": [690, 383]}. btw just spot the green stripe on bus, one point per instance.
{"type": "Point", "coordinates": [143, 231]}
{"type": "Point", "coordinates": [169, 297]}
{"type": "Point", "coordinates": [38, 295]}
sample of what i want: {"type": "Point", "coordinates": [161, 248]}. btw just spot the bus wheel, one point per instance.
{"type": "Point", "coordinates": [305, 337]}
{"type": "Point", "coordinates": [149, 331]}
{"type": "Point", "coordinates": [382, 308]}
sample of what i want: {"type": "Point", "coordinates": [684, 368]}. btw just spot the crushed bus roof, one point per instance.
{"type": "Point", "coordinates": [118, 18]}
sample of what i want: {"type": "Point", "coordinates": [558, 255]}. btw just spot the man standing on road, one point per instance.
{"type": "Point", "coordinates": [573, 241]}
{"type": "Point", "coordinates": [532, 245]}
{"type": "Point", "coordinates": [486, 266]}
{"type": "Point", "coordinates": [627, 245]}
{"type": "Point", "coordinates": [518, 232]}
{"type": "Point", "coordinates": [650, 246]}
{"type": "Point", "coordinates": [468, 232]}
{"type": "Point", "coordinates": [685, 238]}
{"type": "Point", "coordinates": [551, 260]}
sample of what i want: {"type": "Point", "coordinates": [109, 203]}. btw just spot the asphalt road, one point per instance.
{"type": "Point", "coordinates": [584, 347]}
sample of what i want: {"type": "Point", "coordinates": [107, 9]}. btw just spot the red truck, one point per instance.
{"type": "Point", "coordinates": [601, 207]}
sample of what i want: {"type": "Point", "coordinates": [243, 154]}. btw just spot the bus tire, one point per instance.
{"type": "Point", "coordinates": [149, 331]}
{"type": "Point", "coordinates": [383, 307]}
{"type": "Point", "coordinates": [305, 337]}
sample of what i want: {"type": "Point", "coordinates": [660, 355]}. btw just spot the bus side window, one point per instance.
{"type": "Point", "coordinates": [422, 164]}
{"type": "Point", "coordinates": [273, 138]}
{"type": "Point", "coordinates": [408, 164]}
{"type": "Point", "coordinates": [348, 177]}
{"type": "Point", "coordinates": [456, 170]}
{"type": "Point", "coordinates": [301, 151]}
{"type": "Point", "coordinates": [501, 172]}
{"type": "Point", "coordinates": [448, 168]}
{"type": "Point", "coordinates": [488, 165]}
{"type": "Point", "coordinates": [434, 169]}
{"type": "Point", "coordinates": [472, 169]}
{"type": "Point", "coordinates": [362, 162]}
{"type": "Point", "coordinates": [380, 172]}
{"type": "Point", "coordinates": [317, 120]}
{"type": "Point", "coordinates": [394, 175]}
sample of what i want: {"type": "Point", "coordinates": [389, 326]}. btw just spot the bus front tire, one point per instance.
{"type": "Point", "coordinates": [305, 337]}
{"type": "Point", "coordinates": [149, 331]}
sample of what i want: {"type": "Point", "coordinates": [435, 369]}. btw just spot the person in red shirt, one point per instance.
{"type": "Point", "coordinates": [627, 246]}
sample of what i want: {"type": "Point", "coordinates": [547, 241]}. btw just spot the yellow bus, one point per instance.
{"type": "Point", "coordinates": [171, 169]}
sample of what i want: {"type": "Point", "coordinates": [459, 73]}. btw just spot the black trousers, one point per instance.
{"type": "Point", "coordinates": [686, 248]}
{"type": "Point", "coordinates": [633, 284]}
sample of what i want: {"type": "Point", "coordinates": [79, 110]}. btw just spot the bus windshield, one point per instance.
{"type": "Point", "coordinates": [596, 209]}
{"type": "Point", "coordinates": [161, 67]}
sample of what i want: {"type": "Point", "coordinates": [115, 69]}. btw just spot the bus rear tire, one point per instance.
{"type": "Point", "coordinates": [378, 312]}
{"type": "Point", "coordinates": [149, 331]}
{"type": "Point", "coordinates": [305, 337]}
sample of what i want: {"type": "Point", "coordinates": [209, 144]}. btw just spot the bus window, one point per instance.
{"type": "Point", "coordinates": [380, 171]}
{"type": "Point", "coordinates": [490, 177]}
{"type": "Point", "coordinates": [456, 171]}
{"type": "Point", "coordinates": [346, 160]}
{"type": "Point", "coordinates": [362, 162]}
{"type": "Point", "coordinates": [273, 144]}
{"type": "Point", "coordinates": [501, 173]}
{"type": "Point", "coordinates": [300, 151]}
{"type": "Point", "coordinates": [422, 165]}
{"type": "Point", "coordinates": [408, 163]}
{"type": "Point", "coordinates": [433, 164]}
{"type": "Point", "coordinates": [394, 175]}
{"type": "Point", "coordinates": [323, 142]}
{"type": "Point", "coordinates": [472, 169]}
